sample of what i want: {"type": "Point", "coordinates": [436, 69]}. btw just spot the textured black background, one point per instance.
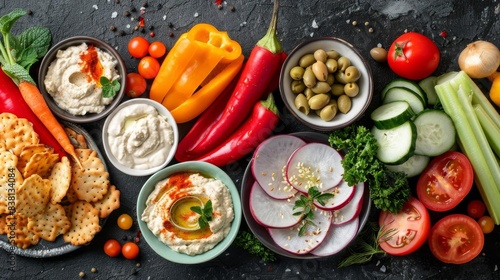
{"type": "Point", "coordinates": [463, 21]}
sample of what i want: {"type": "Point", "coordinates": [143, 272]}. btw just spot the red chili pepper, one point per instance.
{"type": "Point", "coordinates": [254, 130]}
{"type": "Point", "coordinates": [261, 66]}
{"type": "Point", "coordinates": [13, 102]}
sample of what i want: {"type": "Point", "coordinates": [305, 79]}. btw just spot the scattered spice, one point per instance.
{"type": "Point", "coordinates": [219, 6]}
{"type": "Point", "coordinates": [170, 34]}
{"type": "Point", "coordinates": [152, 34]}
{"type": "Point", "coordinates": [29, 12]}
{"type": "Point", "coordinates": [126, 13]}
{"type": "Point", "coordinates": [93, 270]}
{"type": "Point", "coordinates": [367, 23]}
{"type": "Point", "coordinates": [159, 6]}
{"type": "Point", "coordinates": [170, 25]}
{"type": "Point", "coordinates": [145, 4]}
{"type": "Point", "coordinates": [112, 28]}
{"type": "Point", "coordinates": [354, 23]}
{"type": "Point", "coordinates": [370, 30]}
{"type": "Point", "coordinates": [117, 1]}
{"type": "Point", "coordinates": [138, 264]}
{"type": "Point", "coordinates": [443, 34]}
{"type": "Point", "coordinates": [232, 8]}
{"type": "Point", "coordinates": [81, 274]}
{"type": "Point", "coordinates": [122, 33]}
{"type": "Point", "coordinates": [133, 9]}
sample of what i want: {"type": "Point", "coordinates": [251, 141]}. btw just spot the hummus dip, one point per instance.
{"type": "Point", "coordinates": [72, 79]}
{"type": "Point", "coordinates": [140, 137]}
{"type": "Point", "coordinates": [158, 217]}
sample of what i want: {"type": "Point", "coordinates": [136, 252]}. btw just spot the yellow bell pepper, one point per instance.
{"type": "Point", "coordinates": [190, 61]}
{"type": "Point", "coordinates": [495, 88]}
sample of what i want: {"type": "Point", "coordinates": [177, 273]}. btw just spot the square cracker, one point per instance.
{"type": "Point", "coordinates": [60, 179]}
{"type": "Point", "coordinates": [108, 203]}
{"type": "Point", "coordinates": [50, 223]}
{"type": "Point", "coordinates": [17, 134]}
{"type": "Point", "coordinates": [85, 225]}
{"type": "Point", "coordinates": [91, 182]}
{"type": "Point", "coordinates": [33, 195]}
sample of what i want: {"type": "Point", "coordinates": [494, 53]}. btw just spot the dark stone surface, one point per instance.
{"type": "Point", "coordinates": [463, 21]}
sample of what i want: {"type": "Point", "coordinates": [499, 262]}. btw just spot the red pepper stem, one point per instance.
{"type": "Point", "coordinates": [270, 104]}
{"type": "Point", "coordinates": [270, 41]}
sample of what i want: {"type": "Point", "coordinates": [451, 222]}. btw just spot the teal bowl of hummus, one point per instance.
{"type": "Point", "coordinates": [175, 187]}
{"type": "Point", "coordinates": [76, 78]}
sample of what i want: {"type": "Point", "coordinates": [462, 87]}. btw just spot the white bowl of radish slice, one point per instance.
{"type": "Point", "coordinates": [282, 170]}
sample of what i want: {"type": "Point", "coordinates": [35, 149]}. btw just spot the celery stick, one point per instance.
{"type": "Point", "coordinates": [491, 131]}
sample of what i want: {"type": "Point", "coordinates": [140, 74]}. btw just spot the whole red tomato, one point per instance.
{"type": "Point", "coordinates": [413, 56]}
{"type": "Point", "coordinates": [135, 84]}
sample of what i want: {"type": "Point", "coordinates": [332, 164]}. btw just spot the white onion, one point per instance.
{"type": "Point", "coordinates": [479, 59]}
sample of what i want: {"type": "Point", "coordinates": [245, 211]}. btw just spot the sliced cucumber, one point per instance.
{"type": "Point", "coordinates": [392, 114]}
{"type": "Point", "coordinates": [411, 167]}
{"type": "Point", "coordinates": [427, 85]}
{"type": "Point", "coordinates": [403, 94]}
{"type": "Point", "coordinates": [411, 85]}
{"type": "Point", "coordinates": [435, 132]}
{"type": "Point", "coordinates": [396, 145]}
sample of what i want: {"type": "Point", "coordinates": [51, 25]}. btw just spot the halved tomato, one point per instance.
{"type": "Point", "coordinates": [456, 239]}
{"type": "Point", "coordinates": [445, 182]}
{"type": "Point", "coordinates": [405, 231]}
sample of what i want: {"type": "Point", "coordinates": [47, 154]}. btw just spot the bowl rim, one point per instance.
{"type": "Point", "coordinates": [49, 58]}
{"type": "Point", "coordinates": [370, 84]}
{"type": "Point", "coordinates": [162, 111]}
{"type": "Point", "coordinates": [162, 249]}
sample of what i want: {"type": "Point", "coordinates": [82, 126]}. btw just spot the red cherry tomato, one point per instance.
{"type": "Point", "coordinates": [148, 67]}
{"type": "Point", "coordinates": [413, 56]}
{"type": "Point", "coordinates": [411, 226]}
{"type": "Point", "coordinates": [157, 49]}
{"type": "Point", "coordinates": [138, 47]}
{"type": "Point", "coordinates": [476, 209]}
{"type": "Point", "coordinates": [135, 85]}
{"type": "Point", "coordinates": [456, 239]}
{"type": "Point", "coordinates": [486, 223]}
{"type": "Point", "coordinates": [112, 248]}
{"type": "Point", "coordinates": [445, 182]}
{"type": "Point", "coordinates": [130, 250]}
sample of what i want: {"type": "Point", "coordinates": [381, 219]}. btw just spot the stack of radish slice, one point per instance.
{"type": "Point", "coordinates": [284, 168]}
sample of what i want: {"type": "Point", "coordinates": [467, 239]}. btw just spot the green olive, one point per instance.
{"type": "Point", "coordinates": [318, 101]}
{"type": "Point", "coordinates": [298, 86]}
{"type": "Point", "coordinates": [352, 74]}
{"type": "Point", "coordinates": [307, 60]}
{"type": "Point", "coordinates": [328, 112]}
{"type": "Point", "coordinates": [333, 54]}
{"type": "Point", "coordinates": [351, 89]}
{"type": "Point", "coordinates": [379, 54]}
{"type": "Point", "coordinates": [320, 71]}
{"type": "Point", "coordinates": [344, 103]}
{"type": "Point", "coordinates": [301, 104]}
{"type": "Point", "coordinates": [340, 77]}
{"type": "Point", "coordinates": [337, 89]}
{"type": "Point", "coordinates": [331, 65]}
{"type": "Point", "coordinates": [297, 72]}
{"type": "Point", "coordinates": [343, 62]}
{"type": "Point", "coordinates": [321, 87]}
{"type": "Point", "coordinates": [309, 78]}
{"type": "Point", "coordinates": [320, 55]}
{"type": "Point", "coordinates": [330, 79]}
{"type": "Point", "coordinates": [308, 92]}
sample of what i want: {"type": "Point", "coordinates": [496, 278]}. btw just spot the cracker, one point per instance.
{"type": "Point", "coordinates": [50, 223]}
{"type": "Point", "coordinates": [60, 179]}
{"type": "Point", "coordinates": [10, 180]}
{"type": "Point", "coordinates": [5, 119]}
{"type": "Point", "coordinates": [4, 229]}
{"type": "Point", "coordinates": [24, 238]}
{"type": "Point", "coordinates": [41, 164]}
{"type": "Point", "coordinates": [17, 134]}
{"type": "Point", "coordinates": [85, 154]}
{"type": "Point", "coordinates": [71, 195]}
{"type": "Point", "coordinates": [33, 195]}
{"type": "Point", "coordinates": [85, 225]}
{"type": "Point", "coordinates": [91, 182]}
{"type": "Point", "coordinates": [28, 151]}
{"type": "Point", "coordinates": [76, 139]}
{"type": "Point", "coordinates": [108, 203]}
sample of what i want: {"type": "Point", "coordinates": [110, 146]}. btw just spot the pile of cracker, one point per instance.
{"type": "Point", "coordinates": [44, 195]}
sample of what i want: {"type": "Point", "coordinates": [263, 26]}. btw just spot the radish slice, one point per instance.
{"type": "Point", "coordinates": [289, 239]}
{"type": "Point", "coordinates": [352, 209]}
{"type": "Point", "coordinates": [337, 238]}
{"type": "Point", "coordinates": [269, 161]}
{"type": "Point", "coordinates": [314, 164]}
{"type": "Point", "coordinates": [270, 212]}
{"type": "Point", "coordinates": [343, 194]}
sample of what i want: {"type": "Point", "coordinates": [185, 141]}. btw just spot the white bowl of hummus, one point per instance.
{"type": "Point", "coordinates": [158, 206]}
{"type": "Point", "coordinates": [140, 137]}
{"type": "Point", "coordinates": [82, 79]}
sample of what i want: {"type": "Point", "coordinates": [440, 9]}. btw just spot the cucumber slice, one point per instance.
{"type": "Point", "coordinates": [396, 145]}
{"type": "Point", "coordinates": [411, 167]}
{"type": "Point", "coordinates": [392, 114]}
{"type": "Point", "coordinates": [435, 133]}
{"type": "Point", "coordinates": [403, 94]}
{"type": "Point", "coordinates": [404, 83]}
{"type": "Point", "coordinates": [427, 85]}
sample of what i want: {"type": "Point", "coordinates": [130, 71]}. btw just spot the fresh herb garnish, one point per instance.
{"type": "Point", "coordinates": [306, 204]}
{"type": "Point", "coordinates": [249, 242]}
{"type": "Point", "coordinates": [205, 213]}
{"type": "Point", "coordinates": [109, 88]}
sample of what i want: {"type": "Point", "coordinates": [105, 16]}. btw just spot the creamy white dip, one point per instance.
{"type": "Point", "coordinates": [140, 137]}
{"type": "Point", "coordinates": [157, 212]}
{"type": "Point", "coordinates": [70, 83]}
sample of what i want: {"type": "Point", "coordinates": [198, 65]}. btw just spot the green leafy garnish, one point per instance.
{"type": "Point", "coordinates": [205, 213]}
{"type": "Point", "coordinates": [249, 242]}
{"type": "Point", "coordinates": [109, 88]}
{"type": "Point", "coordinates": [388, 190]}
{"type": "Point", "coordinates": [306, 204]}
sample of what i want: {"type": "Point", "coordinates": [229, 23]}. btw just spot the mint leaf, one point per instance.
{"type": "Point", "coordinates": [17, 73]}
{"type": "Point", "coordinates": [109, 89]}
{"type": "Point", "coordinates": [36, 39]}
{"type": "Point", "coordinates": [8, 20]}
{"type": "Point", "coordinates": [205, 213]}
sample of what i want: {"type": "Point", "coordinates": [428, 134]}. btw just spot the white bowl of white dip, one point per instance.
{"type": "Point", "coordinates": [140, 137]}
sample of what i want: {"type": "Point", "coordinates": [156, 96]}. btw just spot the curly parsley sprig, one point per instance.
{"type": "Point", "coordinates": [249, 242]}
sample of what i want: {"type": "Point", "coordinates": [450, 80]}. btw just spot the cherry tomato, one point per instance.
{"type": "Point", "coordinates": [125, 221]}
{"type": "Point", "coordinates": [445, 182]}
{"type": "Point", "coordinates": [138, 47]}
{"type": "Point", "coordinates": [157, 49]}
{"type": "Point", "coordinates": [148, 67]}
{"type": "Point", "coordinates": [486, 223]}
{"type": "Point", "coordinates": [130, 250]}
{"type": "Point", "coordinates": [456, 239]}
{"type": "Point", "coordinates": [413, 56]}
{"type": "Point", "coordinates": [112, 248]}
{"type": "Point", "coordinates": [476, 209]}
{"type": "Point", "coordinates": [411, 225]}
{"type": "Point", "coordinates": [135, 85]}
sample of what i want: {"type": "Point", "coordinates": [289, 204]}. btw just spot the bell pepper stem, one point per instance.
{"type": "Point", "coordinates": [270, 41]}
